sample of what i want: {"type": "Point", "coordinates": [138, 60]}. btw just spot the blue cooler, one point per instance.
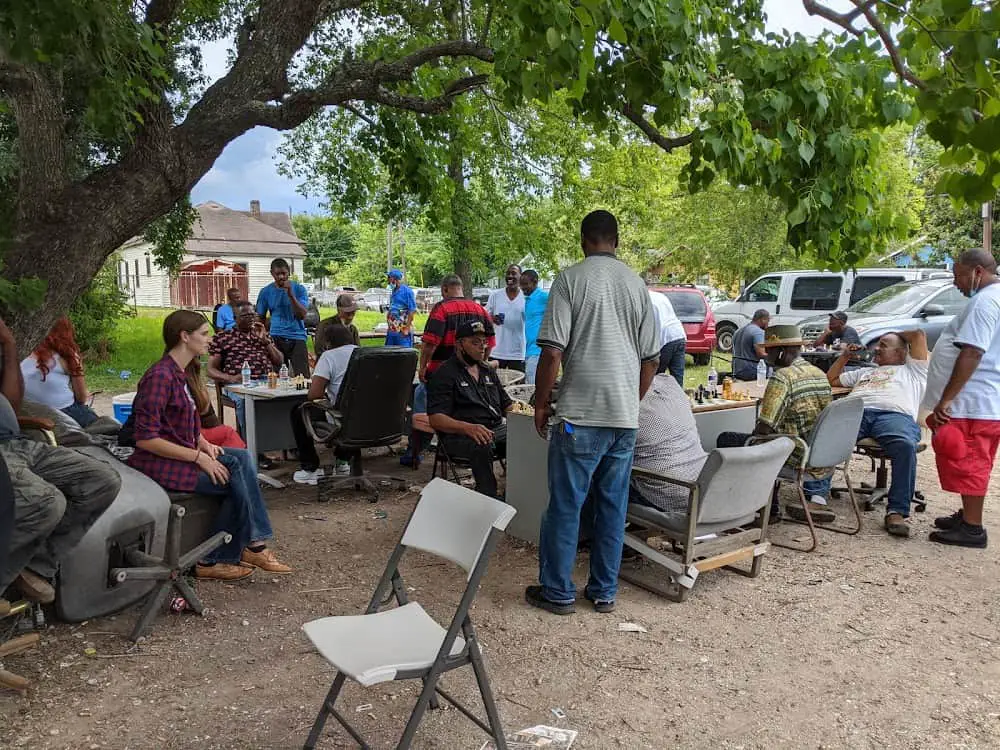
{"type": "Point", "coordinates": [122, 406]}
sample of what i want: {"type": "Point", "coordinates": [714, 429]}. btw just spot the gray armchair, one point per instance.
{"type": "Point", "coordinates": [718, 529]}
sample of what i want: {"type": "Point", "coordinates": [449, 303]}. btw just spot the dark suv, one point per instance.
{"type": "Point", "coordinates": [929, 304]}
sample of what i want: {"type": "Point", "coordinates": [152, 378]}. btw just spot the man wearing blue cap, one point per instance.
{"type": "Point", "coordinates": [402, 306]}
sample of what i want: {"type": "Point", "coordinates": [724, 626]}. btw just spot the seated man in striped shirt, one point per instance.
{"type": "Point", "coordinates": [795, 397]}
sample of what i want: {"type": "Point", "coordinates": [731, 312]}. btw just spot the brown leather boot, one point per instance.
{"type": "Point", "coordinates": [35, 588]}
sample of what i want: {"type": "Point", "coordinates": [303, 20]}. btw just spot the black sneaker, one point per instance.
{"type": "Point", "coordinates": [963, 535]}
{"type": "Point", "coordinates": [604, 606]}
{"type": "Point", "coordinates": [533, 595]}
{"type": "Point", "coordinates": [949, 522]}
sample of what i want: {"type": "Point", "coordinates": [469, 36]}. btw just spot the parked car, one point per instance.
{"type": "Point", "coordinates": [481, 294]}
{"type": "Point", "coordinates": [928, 305]}
{"type": "Point", "coordinates": [427, 298]}
{"type": "Point", "coordinates": [792, 296]}
{"type": "Point", "coordinates": [375, 298]}
{"type": "Point", "coordinates": [692, 309]}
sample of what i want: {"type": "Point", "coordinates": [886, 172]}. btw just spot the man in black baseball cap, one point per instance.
{"type": "Point", "coordinates": [837, 331]}
{"type": "Point", "coordinates": [466, 405]}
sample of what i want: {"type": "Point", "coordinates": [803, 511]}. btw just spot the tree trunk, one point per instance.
{"type": "Point", "coordinates": [65, 240]}
{"type": "Point", "coordinates": [460, 213]}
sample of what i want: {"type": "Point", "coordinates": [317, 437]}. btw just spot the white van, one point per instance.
{"type": "Point", "coordinates": [791, 296]}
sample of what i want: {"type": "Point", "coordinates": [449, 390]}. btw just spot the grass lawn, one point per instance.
{"type": "Point", "coordinates": [138, 343]}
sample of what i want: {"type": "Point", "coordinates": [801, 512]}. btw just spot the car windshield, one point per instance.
{"type": "Point", "coordinates": [688, 306]}
{"type": "Point", "coordinates": [896, 298]}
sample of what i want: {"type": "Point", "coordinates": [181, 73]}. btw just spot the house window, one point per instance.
{"type": "Point", "coordinates": [149, 266]}
{"type": "Point", "coordinates": [136, 273]}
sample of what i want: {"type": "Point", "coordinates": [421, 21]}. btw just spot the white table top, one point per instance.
{"type": "Point", "coordinates": [262, 391]}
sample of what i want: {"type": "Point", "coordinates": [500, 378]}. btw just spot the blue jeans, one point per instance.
{"type": "Point", "coordinates": [672, 359]}
{"type": "Point", "coordinates": [530, 368]}
{"type": "Point", "coordinates": [243, 513]}
{"type": "Point", "coordinates": [241, 412]}
{"type": "Point", "coordinates": [898, 435]}
{"type": "Point", "coordinates": [83, 414]}
{"type": "Point", "coordinates": [582, 459]}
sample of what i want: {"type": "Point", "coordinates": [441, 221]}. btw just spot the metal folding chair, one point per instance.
{"type": "Point", "coordinates": [405, 643]}
{"type": "Point", "coordinates": [828, 449]}
{"type": "Point", "coordinates": [718, 529]}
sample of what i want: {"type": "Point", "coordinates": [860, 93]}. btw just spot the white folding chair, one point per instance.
{"type": "Point", "coordinates": [405, 643]}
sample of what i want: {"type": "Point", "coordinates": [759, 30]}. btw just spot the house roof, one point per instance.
{"type": "Point", "coordinates": [222, 231]}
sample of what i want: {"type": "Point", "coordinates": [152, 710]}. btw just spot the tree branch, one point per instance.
{"type": "Point", "coordinates": [161, 12]}
{"type": "Point", "coordinates": [890, 45]}
{"type": "Point", "coordinates": [843, 20]}
{"type": "Point", "coordinates": [654, 135]}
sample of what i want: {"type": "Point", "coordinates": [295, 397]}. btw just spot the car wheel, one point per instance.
{"type": "Point", "coordinates": [725, 340]}
{"type": "Point", "coordinates": [700, 360]}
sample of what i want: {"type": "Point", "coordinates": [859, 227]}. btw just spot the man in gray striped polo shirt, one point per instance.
{"type": "Point", "coordinates": [600, 327]}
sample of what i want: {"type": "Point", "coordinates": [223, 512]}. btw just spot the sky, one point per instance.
{"type": "Point", "coordinates": [247, 169]}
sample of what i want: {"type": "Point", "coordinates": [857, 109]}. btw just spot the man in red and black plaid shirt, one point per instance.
{"type": "Point", "coordinates": [438, 338]}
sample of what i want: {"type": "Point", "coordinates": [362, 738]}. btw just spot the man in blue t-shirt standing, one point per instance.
{"type": "Point", "coordinates": [402, 307]}
{"type": "Point", "coordinates": [535, 300]}
{"type": "Point", "coordinates": [286, 302]}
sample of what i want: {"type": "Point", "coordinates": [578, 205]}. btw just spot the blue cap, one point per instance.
{"type": "Point", "coordinates": [395, 273]}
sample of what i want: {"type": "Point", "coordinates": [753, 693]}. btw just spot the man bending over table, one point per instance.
{"type": "Point", "coordinates": [466, 405]}
{"type": "Point", "coordinates": [891, 394]}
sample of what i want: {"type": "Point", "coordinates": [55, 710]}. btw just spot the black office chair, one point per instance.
{"type": "Point", "coordinates": [370, 412]}
{"type": "Point", "coordinates": [877, 493]}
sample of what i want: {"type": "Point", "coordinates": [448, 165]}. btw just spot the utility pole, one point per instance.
{"type": "Point", "coordinates": [988, 227]}
{"type": "Point", "coordinates": [388, 247]}
{"type": "Point", "coordinates": [402, 251]}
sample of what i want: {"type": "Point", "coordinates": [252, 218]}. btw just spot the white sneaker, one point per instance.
{"type": "Point", "coordinates": [818, 500]}
{"type": "Point", "coordinates": [343, 468]}
{"type": "Point", "coordinates": [307, 477]}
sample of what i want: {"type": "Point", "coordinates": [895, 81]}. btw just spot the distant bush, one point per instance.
{"type": "Point", "coordinates": [97, 311]}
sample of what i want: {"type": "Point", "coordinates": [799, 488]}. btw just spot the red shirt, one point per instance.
{"type": "Point", "coordinates": [445, 318]}
{"type": "Point", "coordinates": [163, 408]}
{"type": "Point", "coordinates": [234, 347]}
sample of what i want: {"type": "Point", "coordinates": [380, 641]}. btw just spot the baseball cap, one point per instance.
{"type": "Point", "coordinates": [346, 303]}
{"type": "Point", "coordinates": [841, 316]}
{"type": "Point", "coordinates": [470, 328]}
{"type": "Point", "coordinates": [395, 273]}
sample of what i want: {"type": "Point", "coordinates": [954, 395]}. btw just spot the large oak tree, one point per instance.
{"type": "Point", "coordinates": [106, 124]}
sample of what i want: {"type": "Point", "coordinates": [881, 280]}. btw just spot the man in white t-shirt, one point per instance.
{"type": "Point", "coordinates": [327, 377]}
{"type": "Point", "coordinates": [673, 339]}
{"type": "Point", "coordinates": [506, 310]}
{"type": "Point", "coordinates": [891, 394]}
{"type": "Point", "coordinates": [963, 395]}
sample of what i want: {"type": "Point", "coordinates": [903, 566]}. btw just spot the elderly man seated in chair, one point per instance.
{"type": "Point", "coordinates": [891, 394]}
{"type": "Point", "coordinates": [58, 493]}
{"type": "Point", "coordinates": [466, 405]}
{"type": "Point", "coordinates": [795, 397]}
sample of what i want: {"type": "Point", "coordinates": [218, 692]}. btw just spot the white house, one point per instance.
{"type": "Point", "coordinates": [227, 248]}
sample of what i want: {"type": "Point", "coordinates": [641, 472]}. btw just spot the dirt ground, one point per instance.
{"type": "Point", "coordinates": [868, 642]}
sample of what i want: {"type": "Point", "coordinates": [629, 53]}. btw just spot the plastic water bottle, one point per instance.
{"type": "Point", "coordinates": [245, 373]}
{"type": "Point", "coordinates": [761, 373]}
{"type": "Point", "coordinates": [713, 381]}
{"type": "Point", "coordinates": [283, 376]}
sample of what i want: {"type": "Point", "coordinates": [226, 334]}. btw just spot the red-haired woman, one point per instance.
{"type": "Point", "coordinates": [171, 449]}
{"type": "Point", "coordinates": [53, 375]}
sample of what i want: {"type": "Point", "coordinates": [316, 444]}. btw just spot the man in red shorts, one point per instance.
{"type": "Point", "coordinates": [963, 390]}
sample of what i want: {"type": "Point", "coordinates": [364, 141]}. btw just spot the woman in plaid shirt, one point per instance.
{"type": "Point", "coordinates": [171, 450]}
